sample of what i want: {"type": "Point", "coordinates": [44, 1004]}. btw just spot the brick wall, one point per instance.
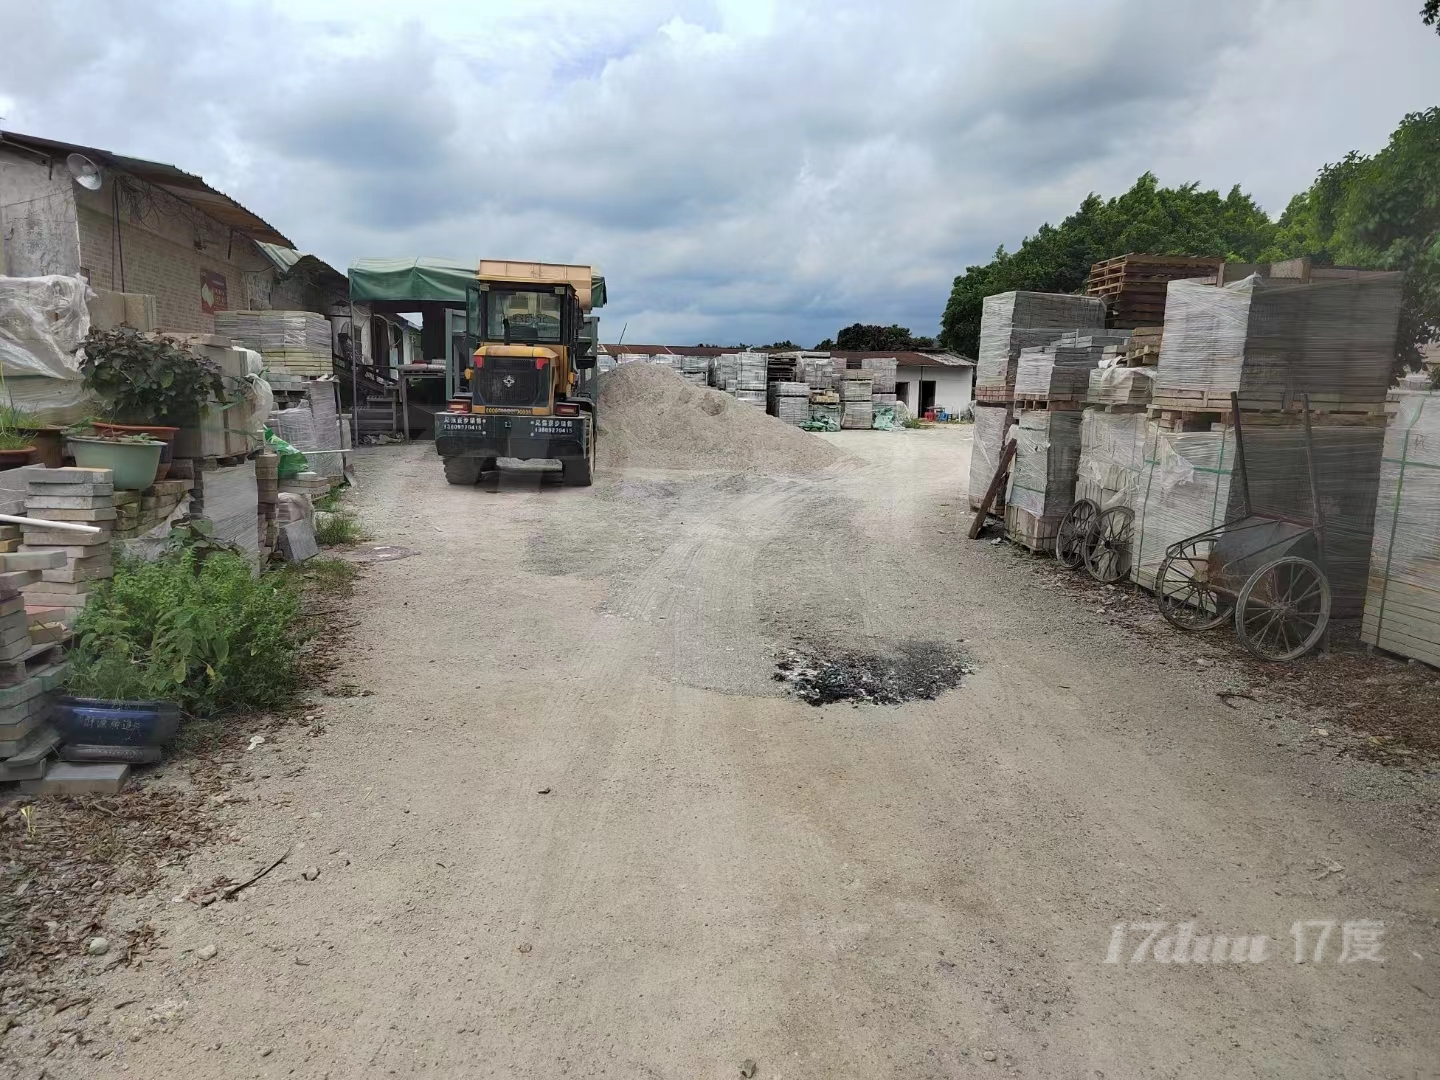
{"type": "Point", "coordinates": [162, 259]}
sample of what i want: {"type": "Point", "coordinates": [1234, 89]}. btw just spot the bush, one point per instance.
{"type": "Point", "coordinates": [196, 628]}
{"type": "Point", "coordinates": [148, 379]}
{"type": "Point", "coordinates": [337, 527]}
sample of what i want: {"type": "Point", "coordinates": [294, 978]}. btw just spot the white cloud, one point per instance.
{"type": "Point", "coordinates": [740, 169]}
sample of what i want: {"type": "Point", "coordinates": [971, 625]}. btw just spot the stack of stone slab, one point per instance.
{"type": "Point", "coordinates": [138, 512]}
{"type": "Point", "coordinates": [987, 443]}
{"type": "Point", "coordinates": [267, 491]}
{"type": "Point", "coordinates": [1402, 599]}
{"type": "Point", "coordinates": [81, 497]}
{"type": "Point", "coordinates": [790, 402]}
{"type": "Point", "coordinates": [1042, 478]}
{"type": "Point", "coordinates": [1013, 321]}
{"type": "Point", "coordinates": [229, 499]}
{"type": "Point", "coordinates": [26, 738]}
{"type": "Point", "coordinates": [294, 342]}
{"type": "Point", "coordinates": [856, 399]}
{"type": "Point", "coordinates": [1060, 372]}
{"type": "Point", "coordinates": [1112, 456]}
{"type": "Point", "coordinates": [1120, 386]}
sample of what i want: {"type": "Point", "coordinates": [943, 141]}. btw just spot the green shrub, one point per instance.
{"type": "Point", "coordinates": [195, 628]}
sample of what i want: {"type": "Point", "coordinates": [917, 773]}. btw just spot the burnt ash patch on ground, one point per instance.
{"type": "Point", "coordinates": [914, 671]}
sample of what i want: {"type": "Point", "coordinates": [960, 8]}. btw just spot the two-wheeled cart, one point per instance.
{"type": "Point", "coordinates": [1265, 572]}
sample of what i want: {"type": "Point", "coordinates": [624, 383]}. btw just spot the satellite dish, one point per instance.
{"type": "Point", "coordinates": [86, 173]}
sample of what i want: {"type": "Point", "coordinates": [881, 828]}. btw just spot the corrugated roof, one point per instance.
{"type": "Point", "coordinates": [186, 187]}
{"type": "Point", "coordinates": [289, 261]}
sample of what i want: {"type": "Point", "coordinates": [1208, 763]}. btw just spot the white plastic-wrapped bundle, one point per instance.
{"type": "Point", "coordinates": [750, 371]}
{"type": "Point", "coordinates": [986, 444]}
{"type": "Point", "coordinates": [42, 322]}
{"type": "Point", "coordinates": [1120, 386]}
{"type": "Point", "coordinates": [1274, 340]}
{"type": "Point", "coordinates": [1013, 321]}
{"type": "Point", "coordinates": [1042, 478]}
{"type": "Point", "coordinates": [790, 402]}
{"type": "Point", "coordinates": [1402, 599]}
{"type": "Point", "coordinates": [1189, 484]}
{"type": "Point", "coordinates": [1112, 457]}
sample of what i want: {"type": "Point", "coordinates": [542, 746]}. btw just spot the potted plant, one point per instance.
{"type": "Point", "coordinates": [16, 449]}
{"type": "Point", "coordinates": [132, 456]}
{"type": "Point", "coordinates": [151, 384]}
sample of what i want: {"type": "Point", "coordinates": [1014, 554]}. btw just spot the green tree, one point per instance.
{"type": "Point", "coordinates": [1182, 220]}
{"type": "Point", "coordinates": [1380, 212]}
{"type": "Point", "coordinates": [1430, 13]}
{"type": "Point", "coordinates": [871, 338]}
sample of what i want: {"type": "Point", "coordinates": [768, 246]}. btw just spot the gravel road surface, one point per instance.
{"type": "Point", "coordinates": [577, 828]}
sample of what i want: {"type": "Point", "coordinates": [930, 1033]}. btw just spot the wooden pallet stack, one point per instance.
{"type": "Point", "coordinates": [1133, 286]}
{"type": "Point", "coordinates": [1402, 598]}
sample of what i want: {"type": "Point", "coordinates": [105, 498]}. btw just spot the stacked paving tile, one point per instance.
{"type": "Point", "coordinates": [857, 399]}
{"type": "Point", "coordinates": [137, 512]}
{"type": "Point", "coordinates": [267, 491]}
{"type": "Point", "coordinates": [790, 402]}
{"type": "Point", "coordinates": [81, 497]}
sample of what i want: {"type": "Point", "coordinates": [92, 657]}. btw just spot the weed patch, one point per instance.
{"type": "Point", "coordinates": [338, 528]}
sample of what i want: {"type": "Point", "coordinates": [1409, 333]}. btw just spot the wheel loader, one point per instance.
{"type": "Point", "coordinates": [527, 389]}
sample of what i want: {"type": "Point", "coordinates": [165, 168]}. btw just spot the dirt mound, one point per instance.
{"type": "Point", "coordinates": [652, 418]}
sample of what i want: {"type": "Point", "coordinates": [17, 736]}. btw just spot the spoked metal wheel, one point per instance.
{"type": "Point", "coordinates": [1283, 610]}
{"type": "Point", "coordinates": [1075, 533]}
{"type": "Point", "coordinates": [1183, 590]}
{"type": "Point", "coordinates": [1107, 556]}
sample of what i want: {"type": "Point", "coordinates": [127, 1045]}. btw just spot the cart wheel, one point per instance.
{"type": "Point", "coordinates": [1187, 600]}
{"type": "Point", "coordinates": [1107, 556]}
{"type": "Point", "coordinates": [1075, 532]}
{"type": "Point", "coordinates": [1283, 609]}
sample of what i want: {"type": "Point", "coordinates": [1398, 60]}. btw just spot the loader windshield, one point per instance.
{"type": "Point", "coordinates": [523, 315]}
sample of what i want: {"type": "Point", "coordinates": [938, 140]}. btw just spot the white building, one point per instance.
{"type": "Point", "coordinates": [924, 380]}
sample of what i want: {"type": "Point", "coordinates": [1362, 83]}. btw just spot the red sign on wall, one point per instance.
{"type": "Point", "coordinates": [212, 292]}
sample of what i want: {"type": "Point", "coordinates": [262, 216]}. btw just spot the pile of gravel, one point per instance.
{"type": "Point", "coordinates": [652, 418]}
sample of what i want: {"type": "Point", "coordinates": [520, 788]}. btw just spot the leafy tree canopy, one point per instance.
{"type": "Point", "coordinates": [1380, 212]}
{"type": "Point", "coordinates": [1431, 14]}
{"type": "Point", "coordinates": [1163, 221]}
{"type": "Point", "coordinates": [870, 338]}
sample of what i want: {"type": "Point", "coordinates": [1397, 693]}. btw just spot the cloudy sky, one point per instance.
{"type": "Point", "coordinates": [741, 170]}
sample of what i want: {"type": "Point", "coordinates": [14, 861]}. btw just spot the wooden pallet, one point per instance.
{"type": "Point", "coordinates": [1169, 419]}
{"type": "Point", "coordinates": [1039, 404]}
{"type": "Point", "coordinates": [994, 395]}
{"type": "Point", "coordinates": [14, 672]}
{"type": "Point", "coordinates": [1036, 534]}
{"type": "Point", "coordinates": [1208, 401]}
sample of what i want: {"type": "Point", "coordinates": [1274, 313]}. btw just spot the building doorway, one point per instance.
{"type": "Point", "coordinates": [927, 396]}
{"type": "Point", "coordinates": [902, 393]}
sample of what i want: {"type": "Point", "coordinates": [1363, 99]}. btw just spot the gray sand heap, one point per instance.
{"type": "Point", "coordinates": [652, 418]}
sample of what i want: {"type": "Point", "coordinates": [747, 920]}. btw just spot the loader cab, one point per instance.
{"type": "Point", "coordinates": [526, 347]}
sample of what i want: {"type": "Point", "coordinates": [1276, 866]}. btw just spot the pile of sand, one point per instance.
{"type": "Point", "coordinates": [652, 418]}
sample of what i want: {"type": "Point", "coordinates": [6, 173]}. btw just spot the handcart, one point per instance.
{"type": "Point", "coordinates": [1266, 572]}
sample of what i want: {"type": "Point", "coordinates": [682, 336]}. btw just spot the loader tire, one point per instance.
{"type": "Point", "coordinates": [462, 471]}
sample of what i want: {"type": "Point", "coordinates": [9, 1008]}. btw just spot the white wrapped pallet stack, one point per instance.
{"type": "Point", "coordinates": [1112, 457]}
{"type": "Point", "coordinates": [790, 402]}
{"type": "Point", "coordinates": [1402, 597]}
{"type": "Point", "coordinates": [987, 442]}
{"type": "Point", "coordinates": [1013, 321]}
{"type": "Point", "coordinates": [1042, 478]}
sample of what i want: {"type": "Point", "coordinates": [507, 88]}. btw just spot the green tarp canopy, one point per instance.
{"type": "Point", "coordinates": [435, 280]}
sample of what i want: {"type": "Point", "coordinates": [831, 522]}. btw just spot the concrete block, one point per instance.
{"type": "Point", "coordinates": [84, 516]}
{"type": "Point", "coordinates": [35, 536]}
{"type": "Point", "coordinates": [70, 491]}
{"type": "Point", "coordinates": [79, 778]}
{"type": "Point", "coordinates": [76, 572]}
{"type": "Point", "coordinates": [177, 488]}
{"type": "Point", "coordinates": [67, 475]}
{"type": "Point", "coordinates": [297, 541]}
{"type": "Point", "coordinates": [9, 635]}
{"type": "Point", "coordinates": [10, 605]}
{"type": "Point", "coordinates": [52, 676]}
{"type": "Point", "coordinates": [13, 736]}
{"type": "Point", "coordinates": [20, 693]}
{"type": "Point", "coordinates": [12, 582]}
{"type": "Point", "coordinates": [32, 560]}
{"type": "Point", "coordinates": [64, 587]}
{"type": "Point", "coordinates": [40, 505]}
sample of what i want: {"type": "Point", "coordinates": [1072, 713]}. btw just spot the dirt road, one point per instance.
{"type": "Point", "coordinates": [579, 830]}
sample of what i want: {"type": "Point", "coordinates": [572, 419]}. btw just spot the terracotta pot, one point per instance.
{"type": "Point", "coordinates": [14, 459]}
{"type": "Point", "coordinates": [49, 445]}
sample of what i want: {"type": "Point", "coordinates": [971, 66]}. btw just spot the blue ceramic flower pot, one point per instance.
{"type": "Point", "coordinates": [97, 722]}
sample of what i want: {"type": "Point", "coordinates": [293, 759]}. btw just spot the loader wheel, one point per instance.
{"type": "Point", "coordinates": [462, 471]}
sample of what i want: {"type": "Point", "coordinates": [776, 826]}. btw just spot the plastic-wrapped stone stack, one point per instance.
{"type": "Point", "coordinates": [1188, 485]}
{"type": "Point", "coordinates": [1120, 386]}
{"type": "Point", "coordinates": [987, 442]}
{"type": "Point", "coordinates": [1274, 340]}
{"type": "Point", "coordinates": [1042, 478]}
{"type": "Point", "coordinates": [1061, 371]}
{"type": "Point", "coordinates": [295, 342]}
{"type": "Point", "coordinates": [1013, 321]}
{"type": "Point", "coordinates": [1112, 456]}
{"type": "Point", "coordinates": [694, 369]}
{"type": "Point", "coordinates": [1402, 599]}
{"type": "Point", "coordinates": [750, 377]}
